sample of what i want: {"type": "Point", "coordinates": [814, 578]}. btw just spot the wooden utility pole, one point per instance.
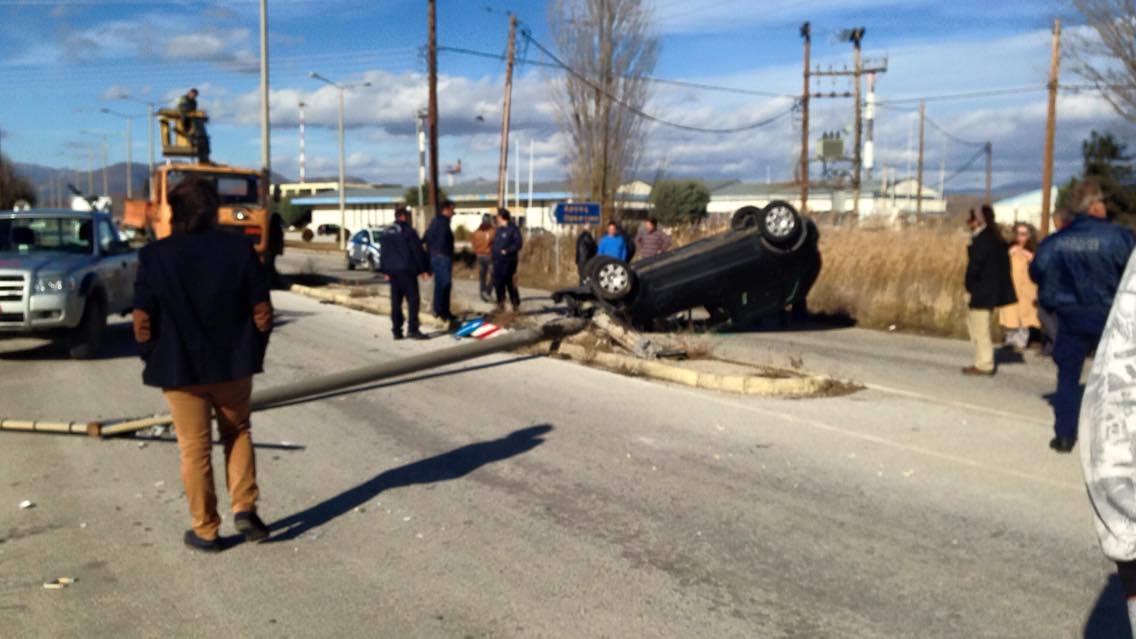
{"type": "Point", "coordinates": [432, 116]}
{"type": "Point", "coordinates": [919, 169]}
{"type": "Point", "coordinates": [1050, 126]}
{"type": "Point", "coordinates": [989, 172]}
{"type": "Point", "coordinates": [806, 33]}
{"type": "Point", "coordinates": [857, 35]}
{"type": "Point", "coordinates": [503, 163]}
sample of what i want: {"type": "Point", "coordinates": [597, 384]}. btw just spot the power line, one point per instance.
{"type": "Point", "coordinates": [657, 80]}
{"type": "Point", "coordinates": [643, 114]}
{"type": "Point", "coordinates": [950, 136]}
{"type": "Point", "coordinates": [965, 95]}
{"type": "Point", "coordinates": [966, 166]}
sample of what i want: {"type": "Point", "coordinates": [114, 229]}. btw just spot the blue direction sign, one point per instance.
{"type": "Point", "coordinates": [578, 213]}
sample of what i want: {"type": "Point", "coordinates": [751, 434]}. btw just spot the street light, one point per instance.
{"type": "Point", "coordinates": [340, 88]}
{"type": "Point", "coordinates": [103, 138]}
{"type": "Point", "coordinates": [129, 154]}
{"type": "Point", "coordinates": [152, 108]}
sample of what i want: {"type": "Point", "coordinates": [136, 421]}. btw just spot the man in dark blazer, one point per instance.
{"type": "Point", "coordinates": [202, 318]}
{"type": "Point", "coordinates": [990, 284]}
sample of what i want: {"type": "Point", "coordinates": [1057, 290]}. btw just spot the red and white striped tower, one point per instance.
{"type": "Point", "coordinates": [302, 105]}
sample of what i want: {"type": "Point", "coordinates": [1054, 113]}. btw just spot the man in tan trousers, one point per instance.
{"type": "Point", "coordinates": [989, 283]}
{"type": "Point", "coordinates": [202, 319]}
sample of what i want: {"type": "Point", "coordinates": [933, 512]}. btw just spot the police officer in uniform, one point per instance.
{"type": "Point", "coordinates": [402, 259]}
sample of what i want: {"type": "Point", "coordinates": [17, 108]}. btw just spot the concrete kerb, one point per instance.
{"type": "Point", "coordinates": [786, 387]}
{"type": "Point", "coordinates": [373, 305]}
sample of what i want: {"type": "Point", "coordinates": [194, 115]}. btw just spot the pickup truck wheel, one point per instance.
{"type": "Point", "coordinates": [611, 279]}
{"type": "Point", "coordinates": [348, 262]}
{"type": "Point", "coordinates": [86, 339]}
{"type": "Point", "coordinates": [779, 223]}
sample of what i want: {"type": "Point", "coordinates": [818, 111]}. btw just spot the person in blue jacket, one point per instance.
{"type": "Point", "coordinates": [507, 243]}
{"type": "Point", "coordinates": [614, 244]}
{"type": "Point", "coordinates": [1077, 271]}
{"type": "Point", "coordinates": [402, 259]}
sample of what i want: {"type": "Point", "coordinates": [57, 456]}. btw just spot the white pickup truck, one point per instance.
{"type": "Point", "coordinates": [61, 273]}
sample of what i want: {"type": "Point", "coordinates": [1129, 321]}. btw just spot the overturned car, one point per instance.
{"type": "Point", "coordinates": [765, 263]}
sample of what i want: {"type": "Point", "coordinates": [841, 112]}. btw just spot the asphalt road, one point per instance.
{"type": "Point", "coordinates": [519, 497]}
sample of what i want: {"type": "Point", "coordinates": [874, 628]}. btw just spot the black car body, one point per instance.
{"type": "Point", "coordinates": [767, 261]}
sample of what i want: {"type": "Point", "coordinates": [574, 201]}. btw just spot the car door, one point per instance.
{"type": "Point", "coordinates": [358, 248]}
{"type": "Point", "coordinates": [116, 267]}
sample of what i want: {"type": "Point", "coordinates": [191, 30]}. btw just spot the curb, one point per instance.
{"type": "Point", "coordinates": [373, 305]}
{"type": "Point", "coordinates": [793, 387]}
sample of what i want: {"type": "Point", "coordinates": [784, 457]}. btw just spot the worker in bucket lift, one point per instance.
{"type": "Point", "coordinates": [202, 318]}
{"type": "Point", "coordinates": [186, 105]}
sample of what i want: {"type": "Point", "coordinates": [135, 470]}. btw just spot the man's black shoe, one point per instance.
{"type": "Point", "coordinates": [1062, 444]}
{"type": "Point", "coordinates": [203, 545]}
{"type": "Point", "coordinates": [249, 525]}
{"type": "Point", "coordinates": [398, 336]}
{"type": "Point", "coordinates": [418, 335]}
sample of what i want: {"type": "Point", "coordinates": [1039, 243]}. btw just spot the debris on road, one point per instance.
{"type": "Point", "coordinates": [26, 504]}
{"type": "Point", "coordinates": [59, 583]}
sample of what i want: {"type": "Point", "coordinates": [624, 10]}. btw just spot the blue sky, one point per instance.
{"type": "Point", "coordinates": [59, 61]}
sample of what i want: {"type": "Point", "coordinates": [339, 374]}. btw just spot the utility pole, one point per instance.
{"type": "Point", "coordinates": [432, 59]}
{"type": "Point", "coordinates": [265, 154]}
{"type": "Point", "coordinates": [1050, 125]}
{"type": "Point", "coordinates": [420, 125]}
{"type": "Point", "coordinates": [339, 89]}
{"type": "Point", "coordinates": [856, 36]}
{"type": "Point", "coordinates": [517, 176]}
{"type": "Point", "coordinates": [919, 171]}
{"type": "Point", "coordinates": [503, 162]}
{"type": "Point", "coordinates": [990, 172]}
{"type": "Point", "coordinates": [302, 160]}
{"type": "Point", "coordinates": [806, 34]}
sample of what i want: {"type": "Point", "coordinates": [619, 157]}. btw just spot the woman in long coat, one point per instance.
{"type": "Point", "coordinates": [1017, 319]}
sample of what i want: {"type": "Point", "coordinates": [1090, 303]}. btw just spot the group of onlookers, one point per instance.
{"type": "Point", "coordinates": [617, 243]}
{"type": "Point", "coordinates": [1065, 290]}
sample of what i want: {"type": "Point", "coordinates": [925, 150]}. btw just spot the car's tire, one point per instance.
{"type": "Point", "coordinates": [372, 264]}
{"type": "Point", "coordinates": [85, 340]}
{"type": "Point", "coordinates": [780, 224]}
{"type": "Point", "coordinates": [348, 262]}
{"type": "Point", "coordinates": [745, 218]}
{"type": "Point", "coordinates": [611, 279]}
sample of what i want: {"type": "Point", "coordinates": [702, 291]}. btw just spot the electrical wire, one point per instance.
{"type": "Point", "coordinates": [643, 114]}
{"type": "Point", "coordinates": [950, 136]}
{"type": "Point", "coordinates": [966, 166]}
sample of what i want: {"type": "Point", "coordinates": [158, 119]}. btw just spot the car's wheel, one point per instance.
{"type": "Point", "coordinates": [780, 224]}
{"type": "Point", "coordinates": [86, 339]}
{"type": "Point", "coordinates": [372, 263]}
{"type": "Point", "coordinates": [348, 262]}
{"type": "Point", "coordinates": [745, 218]}
{"type": "Point", "coordinates": [611, 279]}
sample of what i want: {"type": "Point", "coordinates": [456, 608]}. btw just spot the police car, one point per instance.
{"type": "Point", "coordinates": [363, 249]}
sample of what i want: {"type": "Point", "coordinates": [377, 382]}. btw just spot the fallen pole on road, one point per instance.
{"type": "Point", "coordinates": [313, 388]}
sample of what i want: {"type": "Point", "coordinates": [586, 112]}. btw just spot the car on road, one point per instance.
{"type": "Point", "coordinates": [62, 272]}
{"type": "Point", "coordinates": [327, 229]}
{"type": "Point", "coordinates": [767, 261]}
{"type": "Point", "coordinates": [363, 250]}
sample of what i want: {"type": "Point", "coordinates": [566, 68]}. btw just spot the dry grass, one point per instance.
{"type": "Point", "coordinates": [910, 278]}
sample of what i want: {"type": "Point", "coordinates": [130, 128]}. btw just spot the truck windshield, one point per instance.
{"type": "Point", "coordinates": [41, 234]}
{"type": "Point", "coordinates": [233, 188]}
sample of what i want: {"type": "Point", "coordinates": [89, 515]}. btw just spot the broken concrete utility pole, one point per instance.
{"type": "Point", "coordinates": [312, 389]}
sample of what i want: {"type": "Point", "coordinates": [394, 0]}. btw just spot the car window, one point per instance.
{"type": "Point", "coordinates": [375, 236]}
{"type": "Point", "coordinates": [66, 234]}
{"type": "Point", "coordinates": [107, 235]}
{"type": "Point", "coordinates": [361, 236]}
{"type": "Point", "coordinates": [232, 188]}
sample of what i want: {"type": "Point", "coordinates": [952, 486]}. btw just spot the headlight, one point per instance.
{"type": "Point", "coordinates": [53, 283]}
{"type": "Point", "coordinates": [240, 215]}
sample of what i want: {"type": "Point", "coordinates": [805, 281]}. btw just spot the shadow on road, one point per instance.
{"type": "Point", "coordinates": [1109, 616]}
{"type": "Point", "coordinates": [454, 464]}
{"type": "Point", "coordinates": [118, 342]}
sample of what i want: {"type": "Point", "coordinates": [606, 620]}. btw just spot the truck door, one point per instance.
{"type": "Point", "coordinates": [116, 267]}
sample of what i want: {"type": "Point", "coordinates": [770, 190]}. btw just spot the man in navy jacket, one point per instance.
{"type": "Point", "coordinates": [439, 240]}
{"type": "Point", "coordinates": [202, 318]}
{"type": "Point", "coordinates": [402, 259]}
{"type": "Point", "coordinates": [1077, 271]}
{"type": "Point", "coordinates": [507, 245]}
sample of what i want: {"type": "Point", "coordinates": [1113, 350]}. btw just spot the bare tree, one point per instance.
{"type": "Point", "coordinates": [610, 46]}
{"type": "Point", "coordinates": [1106, 57]}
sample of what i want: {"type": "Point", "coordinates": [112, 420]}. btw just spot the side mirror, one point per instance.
{"type": "Point", "coordinates": [118, 247]}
